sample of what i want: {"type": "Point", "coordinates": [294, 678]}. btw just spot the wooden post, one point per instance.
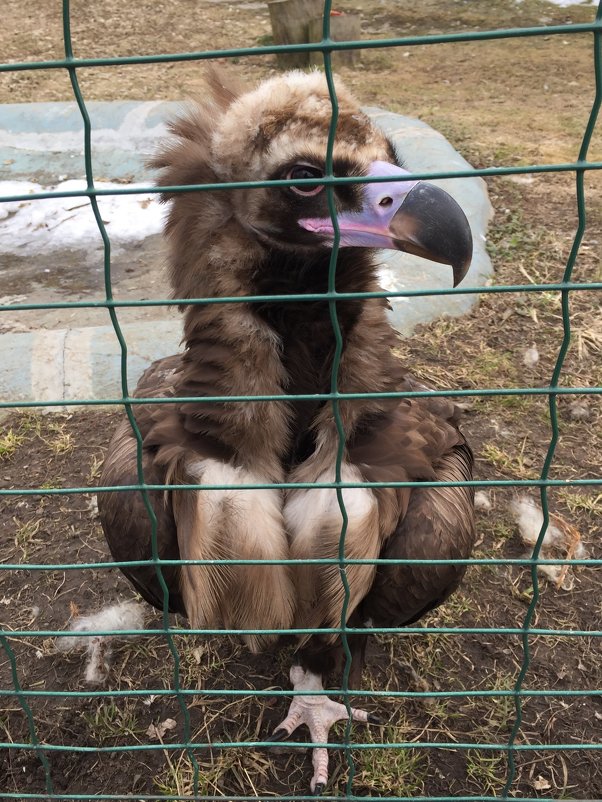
{"type": "Point", "coordinates": [343, 28]}
{"type": "Point", "coordinates": [289, 20]}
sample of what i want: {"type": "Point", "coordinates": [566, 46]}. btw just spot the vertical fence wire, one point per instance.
{"type": "Point", "coordinates": [336, 362]}
{"type": "Point", "coordinates": [155, 560]}
{"type": "Point", "coordinates": [326, 46]}
{"type": "Point", "coordinates": [553, 405]}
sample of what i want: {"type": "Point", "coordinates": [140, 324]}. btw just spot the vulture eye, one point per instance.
{"type": "Point", "coordinates": [305, 171]}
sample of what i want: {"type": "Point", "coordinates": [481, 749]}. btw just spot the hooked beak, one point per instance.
{"type": "Point", "coordinates": [411, 216]}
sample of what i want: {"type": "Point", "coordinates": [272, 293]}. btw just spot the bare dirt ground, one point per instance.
{"type": "Point", "coordinates": [508, 102]}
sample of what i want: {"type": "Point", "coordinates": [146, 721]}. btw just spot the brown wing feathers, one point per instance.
{"type": "Point", "coordinates": [240, 349]}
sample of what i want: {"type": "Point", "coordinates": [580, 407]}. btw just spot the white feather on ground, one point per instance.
{"type": "Point", "coordinates": [482, 502]}
{"type": "Point", "coordinates": [561, 540]}
{"type": "Point", "coordinates": [531, 357]}
{"type": "Point", "coordinates": [579, 410]}
{"type": "Point", "coordinates": [118, 618]}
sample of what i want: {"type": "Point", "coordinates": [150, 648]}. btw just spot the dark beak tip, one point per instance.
{"type": "Point", "coordinates": [461, 266]}
{"type": "Point", "coordinates": [431, 224]}
{"type": "Point", "coordinates": [461, 269]}
{"type": "Point", "coordinates": [459, 274]}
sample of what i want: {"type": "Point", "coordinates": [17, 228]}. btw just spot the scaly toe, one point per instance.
{"type": "Point", "coordinates": [318, 712]}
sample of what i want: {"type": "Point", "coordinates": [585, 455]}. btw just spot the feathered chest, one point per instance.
{"type": "Point", "coordinates": [235, 447]}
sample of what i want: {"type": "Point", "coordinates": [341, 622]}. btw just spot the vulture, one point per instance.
{"type": "Point", "coordinates": [277, 240]}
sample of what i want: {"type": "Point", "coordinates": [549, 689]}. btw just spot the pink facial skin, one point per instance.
{"type": "Point", "coordinates": [412, 216]}
{"type": "Point", "coordinates": [369, 228]}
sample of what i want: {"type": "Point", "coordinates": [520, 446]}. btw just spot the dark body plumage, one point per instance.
{"type": "Point", "coordinates": [253, 242]}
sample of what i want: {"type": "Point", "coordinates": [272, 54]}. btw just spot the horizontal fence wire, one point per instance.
{"type": "Point", "coordinates": [209, 692]}
{"type": "Point", "coordinates": [519, 692]}
{"type": "Point", "coordinates": [326, 797]}
{"type": "Point", "coordinates": [190, 744]}
{"type": "Point", "coordinates": [292, 798]}
{"type": "Point", "coordinates": [325, 46]}
{"type": "Point", "coordinates": [336, 296]}
{"type": "Point", "coordinates": [562, 633]}
{"type": "Point", "coordinates": [328, 181]}
{"type": "Point", "coordinates": [25, 566]}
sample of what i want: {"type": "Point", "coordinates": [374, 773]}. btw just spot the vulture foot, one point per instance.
{"type": "Point", "coordinates": [319, 713]}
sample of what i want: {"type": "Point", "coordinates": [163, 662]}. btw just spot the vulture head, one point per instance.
{"type": "Point", "coordinates": [279, 132]}
{"type": "Point", "coordinates": [264, 469]}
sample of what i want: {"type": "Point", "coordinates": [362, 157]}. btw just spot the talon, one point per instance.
{"type": "Point", "coordinates": [319, 789]}
{"type": "Point", "coordinates": [279, 734]}
{"type": "Point", "coordinates": [372, 719]}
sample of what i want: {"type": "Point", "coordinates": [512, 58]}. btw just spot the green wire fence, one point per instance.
{"type": "Point", "coordinates": [518, 693]}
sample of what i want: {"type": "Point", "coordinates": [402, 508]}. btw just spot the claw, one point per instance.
{"type": "Point", "coordinates": [279, 734]}
{"type": "Point", "coordinates": [372, 719]}
{"type": "Point", "coordinates": [319, 789]}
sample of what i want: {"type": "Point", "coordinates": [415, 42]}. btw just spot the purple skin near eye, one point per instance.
{"type": "Point", "coordinates": [406, 215]}
{"type": "Point", "coordinates": [369, 228]}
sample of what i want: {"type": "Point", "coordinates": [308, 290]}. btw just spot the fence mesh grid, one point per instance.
{"type": "Point", "coordinates": [567, 286]}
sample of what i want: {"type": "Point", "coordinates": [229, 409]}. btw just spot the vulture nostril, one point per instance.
{"type": "Point", "coordinates": [386, 201]}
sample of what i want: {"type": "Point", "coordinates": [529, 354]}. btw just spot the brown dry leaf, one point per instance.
{"type": "Point", "coordinates": [156, 731]}
{"type": "Point", "coordinates": [540, 783]}
{"type": "Point", "coordinates": [573, 540]}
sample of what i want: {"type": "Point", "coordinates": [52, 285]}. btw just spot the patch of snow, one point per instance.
{"type": "Point", "coordinates": [389, 280]}
{"type": "Point", "coordinates": [40, 226]}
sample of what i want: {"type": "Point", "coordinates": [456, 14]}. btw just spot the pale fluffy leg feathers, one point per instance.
{"type": "Point", "coordinates": [231, 525]}
{"type": "Point", "coordinates": [314, 521]}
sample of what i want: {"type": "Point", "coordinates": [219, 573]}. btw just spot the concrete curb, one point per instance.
{"type": "Point", "coordinates": [79, 364]}
{"type": "Point", "coordinates": [43, 143]}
